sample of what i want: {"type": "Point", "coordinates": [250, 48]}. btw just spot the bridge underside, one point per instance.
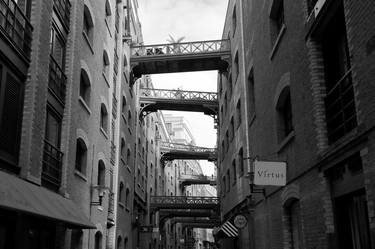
{"type": "Point", "coordinates": [190, 214]}
{"type": "Point", "coordinates": [155, 105]}
{"type": "Point", "coordinates": [187, 155]}
{"type": "Point", "coordinates": [176, 64]}
{"type": "Point", "coordinates": [187, 182]}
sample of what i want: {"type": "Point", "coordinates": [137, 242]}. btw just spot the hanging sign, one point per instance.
{"type": "Point", "coordinates": [269, 173]}
{"type": "Point", "coordinates": [240, 221]}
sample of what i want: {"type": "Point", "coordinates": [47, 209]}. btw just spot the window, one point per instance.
{"type": "Point", "coordinates": [294, 224]}
{"type": "Point", "coordinates": [222, 149]}
{"type": "Point", "coordinates": [227, 141]}
{"type": "Point", "coordinates": [234, 171]}
{"type": "Point", "coordinates": [53, 128]}
{"type": "Point", "coordinates": [127, 196]}
{"type": "Point", "coordinates": [284, 110]}
{"type": "Point", "coordinates": [340, 103]}
{"type": "Point", "coordinates": [230, 88]}
{"type": "Point", "coordinates": [123, 107]}
{"type": "Point", "coordinates": [220, 84]}
{"type": "Point", "coordinates": [101, 174]}
{"type": "Point", "coordinates": [238, 111]}
{"type": "Point", "coordinates": [84, 87]}
{"type": "Point", "coordinates": [251, 92]}
{"type": "Point", "coordinates": [129, 117]}
{"type": "Point", "coordinates": [98, 240]}
{"type": "Point", "coordinates": [234, 20]}
{"type": "Point", "coordinates": [119, 241]}
{"type": "Point", "coordinates": [231, 129]}
{"type": "Point", "coordinates": [57, 48]}
{"type": "Point", "coordinates": [225, 102]}
{"type": "Point", "coordinates": [121, 193]}
{"type": "Point", "coordinates": [88, 26]}
{"type": "Point", "coordinates": [103, 118]}
{"type": "Point", "coordinates": [105, 65]}
{"type": "Point", "coordinates": [277, 19]}
{"type": "Point", "coordinates": [123, 149]}
{"type": "Point", "coordinates": [236, 68]}
{"type": "Point", "coordinates": [241, 162]}
{"type": "Point", "coordinates": [11, 105]}
{"type": "Point", "coordinates": [81, 156]}
{"type": "Point", "coordinates": [108, 13]}
{"type": "Point", "coordinates": [128, 157]}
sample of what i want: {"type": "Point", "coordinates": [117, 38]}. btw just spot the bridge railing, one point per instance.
{"type": "Point", "coordinates": [184, 147]}
{"type": "Point", "coordinates": [178, 94]}
{"type": "Point", "coordinates": [183, 48]}
{"type": "Point", "coordinates": [184, 200]}
{"type": "Point", "coordinates": [197, 177]}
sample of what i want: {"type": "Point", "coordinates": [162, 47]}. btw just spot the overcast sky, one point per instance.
{"type": "Point", "coordinates": [196, 20]}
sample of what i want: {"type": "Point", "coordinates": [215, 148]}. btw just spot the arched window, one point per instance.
{"type": "Point", "coordinates": [122, 150]}
{"type": "Point", "coordinates": [128, 157]}
{"type": "Point", "coordinates": [101, 173]}
{"type": "Point", "coordinates": [105, 65]}
{"type": "Point", "coordinates": [126, 243]}
{"type": "Point", "coordinates": [123, 107]}
{"type": "Point", "coordinates": [127, 194]}
{"type": "Point", "coordinates": [98, 240]}
{"type": "Point", "coordinates": [84, 87]}
{"type": "Point", "coordinates": [88, 25]}
{"type": "Point", "coordinates": [103, 118]}
{"type": "Point", "coordinates": [284, 114]}
{"type": "Point", "coordinates": [119, 241]}
{"type": "Point", "coordinates": [293, 223]}
{"type": "Point", "coordinates": [121, 192]}
{"type": "Point", "coordinates": [108, 12]}
{"type": "Point", "coordinates": [81, 156]}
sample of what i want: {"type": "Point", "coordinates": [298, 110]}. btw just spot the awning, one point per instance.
{"type": "Point", "coordinates": [227, 229]}
{"type": "Point", "coordinates": [20, 195]}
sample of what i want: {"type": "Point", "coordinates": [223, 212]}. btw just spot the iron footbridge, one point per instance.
{"type": "Point", "coordinates": [152, 100]}
{"type": "Point", "coordinates": [176, 151]}
{"type": "Point", "coordinates": [186, 180]}
{"type": "Point", "coordinates": [179, 57]}
{"type": "Point", "coordinates": [184, 202]}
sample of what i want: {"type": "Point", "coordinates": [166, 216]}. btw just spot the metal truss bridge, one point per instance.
{"type": "Point", "coordinates": [197, 222]}
{"type": "Point", "coordinates": [184, 202]}
{"type": "Point", "coordinates": [176, 151]}
{"type": "Point", "coordinates": [186, 180]}
{"type": "Point", "coordinates": [152, 100]}
{"type": "Point", "coordinates": [180, 57]}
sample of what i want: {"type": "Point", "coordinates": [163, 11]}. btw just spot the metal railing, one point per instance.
{"type": "Point", "coordinates": [113, 153]}
{"type": "Point", "coordinates": [16, 26]}
{"type": "Point", "coordinates": [197, 177]}
{"type": "Point", "coordinates": [184, 200]}
{"type": "Point", "coordinates": [183, 48]}
{"type": "Point", "coordinates": [52, 165]}
{"type": "Point", "coordinates": [63, 10]}
{"type": "Point", "coordinates": [178, 94]}
{"type": "Point", "coordinates": [340, 108]}
{"type": "Point", "coordinates": [184, 147]}
{"type": "Point", "coordinates": [57, 80]}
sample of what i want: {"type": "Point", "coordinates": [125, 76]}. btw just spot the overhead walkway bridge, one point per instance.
{"type": "Point", "coordinates": [184, 202]}
{"type": "Point", "coordinates": [176, 151]}
{"type": "Point", "coordinates": [152, 100]}
{"type": "Point", "coordinates": [179, 57]}
{"type": "Point", "coordinates": [186, 180]}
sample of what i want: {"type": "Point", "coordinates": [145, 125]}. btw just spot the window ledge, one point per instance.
{"type": "Point", "coordinates": [277, 42]}
{"type": "Point", "coordinates": [121, 204]}
{"type": "Point", "coordinates": [128, 168]}
{"type": "Point", "coordinates": [123, 117]}
{"type": "Point", "coordinates": [252, 119]}
{"type": "Point", "coordinates": [104, 132]}
{"type": "Point", "coordinates": [129, 130]}
{"type": "Point", "coordinates": [80, 175]}
{"type": "Point", "coordinates": [85, 106]}
{"type": "Point", "coordinates": [88, 42]}
{"type": "Point", "coordinates": [100, 208]}
{"type": "Point", "coordinates": [286, 141]}
{"type": "Point", "coordinates": [109, 30]}
{"type": "Point", "coordinates": [127, 209]}
{"type": "Point", "coordinates": [106, 80]}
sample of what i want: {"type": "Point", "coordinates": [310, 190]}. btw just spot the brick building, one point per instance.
{"type": "Point", "coordinates": [307, 70]}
